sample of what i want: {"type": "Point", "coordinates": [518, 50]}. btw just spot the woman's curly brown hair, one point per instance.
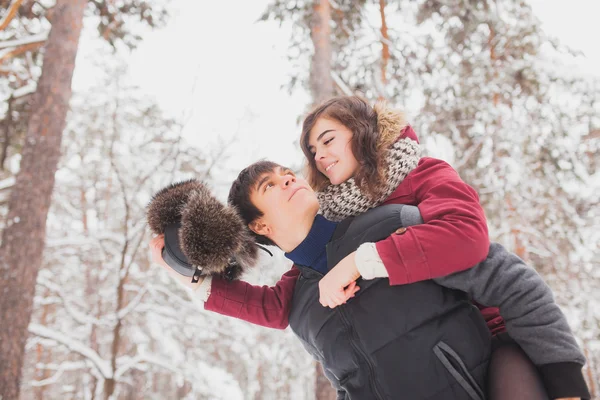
{"type": "Point", "coordinates": [361, 119]}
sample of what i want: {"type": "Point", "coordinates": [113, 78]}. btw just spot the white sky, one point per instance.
{"type": "Point", "coordinates": [239, 67]}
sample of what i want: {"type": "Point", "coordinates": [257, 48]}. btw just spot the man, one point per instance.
{"type": "Point", "coordinates": [418, 341]}
{"type": "Point", "coordinates": [389, 342]}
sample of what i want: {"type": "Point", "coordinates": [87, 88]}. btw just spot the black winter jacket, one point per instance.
{"type": "Point", "coordinates": [417, 341]}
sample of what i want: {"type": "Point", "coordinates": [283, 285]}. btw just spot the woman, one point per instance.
{"type": "Point", "coordinates": [360, 157]}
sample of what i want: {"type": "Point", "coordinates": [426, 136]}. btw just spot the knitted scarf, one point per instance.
{"type": "Point", "coordinates": [346, 199]}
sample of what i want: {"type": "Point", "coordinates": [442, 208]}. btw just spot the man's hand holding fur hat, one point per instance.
{"type": "Point", "coordinates": [212, 236]}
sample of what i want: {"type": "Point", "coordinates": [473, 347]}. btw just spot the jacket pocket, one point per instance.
{"type": "Point", "coordinates": [457, 368]}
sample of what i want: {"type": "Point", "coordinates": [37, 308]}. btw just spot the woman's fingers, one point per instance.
{"type": "Point", "coordinates": [351, 289]}
{"type": "Point", "coordinates": [333, 298]}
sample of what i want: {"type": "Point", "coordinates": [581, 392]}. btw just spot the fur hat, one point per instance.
{"type": "Point", "coordinates": [212, 236]}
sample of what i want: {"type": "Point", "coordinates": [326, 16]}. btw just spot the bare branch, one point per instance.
{"type": "Point", "coordinates": [122, 313]}
{"type": "Point", "coordinates": [20, 50]}
{"type": "Point", "coordinates": [12, 11]}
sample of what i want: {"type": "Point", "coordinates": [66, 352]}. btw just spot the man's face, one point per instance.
{"type": "Point", "coordinates": [285, 201]}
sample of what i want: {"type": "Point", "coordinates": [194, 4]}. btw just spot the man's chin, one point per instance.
{"type": "Point", "coordinates": [298, 193]}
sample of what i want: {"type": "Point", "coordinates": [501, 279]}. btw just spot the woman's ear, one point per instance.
{"type": "Point", "coordinates": [259, 227]}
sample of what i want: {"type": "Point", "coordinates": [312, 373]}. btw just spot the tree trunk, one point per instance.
{"type": "Point", "coordinates": [7, 132]}
{"type": "Point", "coordinates": [589, 370]}
{"type": "Point", "coordinates": [324, 390]}
{"type": "Point", "coordinates": [43, 356]}
{"type": "Point", "coordinates": [118, 337]}
{"type": "Point", "coordinates": [24, 237]}
{"type": "Point", "coordinates": [110, 384]}
{"type": "Point", "coordinates": [385, 39]}
{"type": "Point", "coordinates": [321, 83]}
{"type": "Point", "coordinates": [321, 88]}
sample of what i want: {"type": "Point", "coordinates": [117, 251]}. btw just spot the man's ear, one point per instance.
{"type": "Point", "coordinates": [259, 227]}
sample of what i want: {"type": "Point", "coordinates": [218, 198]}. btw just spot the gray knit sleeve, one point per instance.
{"type": "Point", "coordinates": [526, 303]}
{"type": "Point", "coordinates": [410, 215]}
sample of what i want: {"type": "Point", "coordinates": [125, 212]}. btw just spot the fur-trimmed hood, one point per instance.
{"type": "Point", "coordinates": [212, 236]}
{"type": "Point", "coordinates": [390, 124]}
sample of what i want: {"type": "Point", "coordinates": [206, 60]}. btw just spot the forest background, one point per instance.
{"type": "Point", "coordinates": [103, 102]}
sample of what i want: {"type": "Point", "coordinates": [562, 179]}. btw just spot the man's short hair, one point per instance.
{"type": "Point", "coordinates": [242, 187]}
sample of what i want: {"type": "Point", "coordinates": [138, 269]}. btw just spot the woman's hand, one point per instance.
{"type": "Point", "coordinates": [156, 246]}
{"type": "Point", "coordinates": [339, 284]}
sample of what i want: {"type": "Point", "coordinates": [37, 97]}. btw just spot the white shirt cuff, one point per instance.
{"type": "Point", "coordinates": [203, 291]}
{"type": "Point", "coordinates": [369, 263]}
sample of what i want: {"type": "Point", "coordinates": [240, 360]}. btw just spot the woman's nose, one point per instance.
{"type": "Point", "coordinates": [319, 154]}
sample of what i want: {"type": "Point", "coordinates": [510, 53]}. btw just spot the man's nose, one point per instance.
{"type": "Point", "coordinates": [287, 180]}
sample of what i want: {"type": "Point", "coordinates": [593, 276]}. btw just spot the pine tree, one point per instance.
{"type": "Point", "coordinates": [24, 234]}
{"type": "Point", "coordinates": [23, 237]}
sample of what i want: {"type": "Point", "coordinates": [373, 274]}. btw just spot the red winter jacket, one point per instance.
{"type": "Point", "coordinates": [453, 238]}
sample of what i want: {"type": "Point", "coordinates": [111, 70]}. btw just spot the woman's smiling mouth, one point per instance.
{"type": "Point", "coordinates": [330, 166]}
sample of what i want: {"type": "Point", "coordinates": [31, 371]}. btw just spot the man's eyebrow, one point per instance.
{"type": "Point", "coordinates": [321, 136]}
{"type": "Point", "coordinates": [264, 179]}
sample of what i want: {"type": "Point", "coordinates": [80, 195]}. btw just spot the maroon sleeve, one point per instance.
{"type": "Point", "coordinates": [454, 236]}
{"type": "Point", "coordinates": [260, 305]}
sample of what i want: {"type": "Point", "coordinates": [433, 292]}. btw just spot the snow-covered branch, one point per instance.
{"type": "Point", "coordinates": [162, 289]}
{"type": "Point", "coordinates": [66, 366]}
{"type": "Point", "coordinates": [145, 359]}
{"type": "Point", "coordinates": [25, 90]}
{"type": "Point", "coordinates": [78, 316]}
{"type": "Point", "coordinates": [341, 84]}
{"type": "Point", "coordinates": [7, 183]}
{"type": "Point", "coordinates": [132, 304]}
{"type": "Point", "coordinates": [76, 346]}
{"type": "Point", "coordinates": [40, 37]}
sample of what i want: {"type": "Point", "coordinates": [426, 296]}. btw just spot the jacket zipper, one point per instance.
{"type": "Point", "coordinates": [356, 347]}
{"type": "Point", "coordinates": [359, 349]}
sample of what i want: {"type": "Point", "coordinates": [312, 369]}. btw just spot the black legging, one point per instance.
{"type": "Point", "coordinates": [511, 374]}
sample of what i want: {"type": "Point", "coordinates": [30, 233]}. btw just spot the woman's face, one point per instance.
{"type": "Point", "coordinates": [329, 143]}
